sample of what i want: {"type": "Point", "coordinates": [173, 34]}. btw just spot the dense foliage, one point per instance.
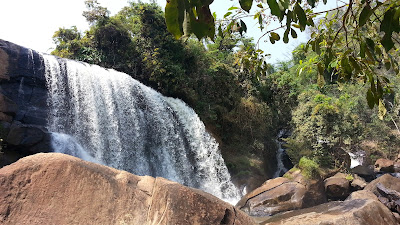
{"type": "Point", "coordinates": [209, 76]}
{"type": "Point", "coordinates": [244, 101]}
{"type": "Point", "coordinates": [352, 40]}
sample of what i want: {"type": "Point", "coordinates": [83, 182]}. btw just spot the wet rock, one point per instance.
{"type": "Point", "coordinates": [53, 188]}
{"type": "Point", "coordinates": [337, 187]}
{"type": "Point", "coordinates": [353, 212]}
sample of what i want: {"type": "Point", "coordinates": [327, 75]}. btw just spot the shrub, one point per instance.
{"type": "Point", "coordinates": [309, 167]}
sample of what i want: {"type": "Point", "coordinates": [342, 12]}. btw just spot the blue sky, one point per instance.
{"type": "Point", "coordinates": [32, 23]}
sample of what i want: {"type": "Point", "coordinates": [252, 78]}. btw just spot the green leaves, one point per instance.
{"type": "Point", "coordinates": [174, 17]}
{"type": "Point", "coordinates": [364, 15]}
{"type": "Point", "coordinates": [275, 10]}
{"type": "Point", "coordinates": [301, 15]}
{"type": "Point", "coordinates": [246, 4]}
{"type": "Point", "coordinates": [274, 37]}
{"type": "Point", "coordinates": [370, 99]}
{"type": "Point", "coordinates": [390, 24]}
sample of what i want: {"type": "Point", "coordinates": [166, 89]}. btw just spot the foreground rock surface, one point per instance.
{"type": "Point", "coordinates": [53, 188]}
{"type": "Point", "coordinates": [354, 212]}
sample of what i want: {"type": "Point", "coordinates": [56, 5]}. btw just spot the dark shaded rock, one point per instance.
{"type": "Point", "coordinates": [337, 187]}
{"type": "Point", "coordinates": [23, 102]}
{"type": "Point", "coordinates": [384, 166]}
{"type": "Point", "coordinates": [354, 212]}
{"type": "Point", "coordinates": [7, 105]}
{"type": "Point", "coordinates": [392, 197]}
{"type": "Point", "coordinates": [54, 188]}
{"type": "Point", "coordinates": [25, 135]}
{"type": "Point", "coordinates": [365, 172]}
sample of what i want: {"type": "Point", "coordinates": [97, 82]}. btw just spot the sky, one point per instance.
{"type": "Point", "coordinates": [32, 23]}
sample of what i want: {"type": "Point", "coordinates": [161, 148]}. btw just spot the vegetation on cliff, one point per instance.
{"type": "Point", "coordinates": [245, 101]}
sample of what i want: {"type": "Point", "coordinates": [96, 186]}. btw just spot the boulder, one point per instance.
{"type": "Point", "coordinates": [337, 187]}
{"type": "Point", "coordinates": [353, 212]}
{"type": "Point", "coordinates": [390, 198]}
{"type": "Point", "coordinates": [358, 183]}
{"type": "Point", "coordinates": [384, 166]}
{"type": "Point", "coordinates": [363, 194]}
{"type": "Point", "coordinates": [53, 188]}
{"type": "Point", "coordinates": [283, 194]}
{"type": "Point", "coordinates": [365, 172]}
{"type": "Point", "coordinates": [387, 180]}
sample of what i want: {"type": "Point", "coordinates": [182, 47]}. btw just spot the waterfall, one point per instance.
{"type": "Point", "coordinates": [281, 169]}
{"type": "Point", "coordinates": [115, 120]}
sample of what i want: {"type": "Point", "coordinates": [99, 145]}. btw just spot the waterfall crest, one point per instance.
{"type": "Point", "coordinates": [118, 121]}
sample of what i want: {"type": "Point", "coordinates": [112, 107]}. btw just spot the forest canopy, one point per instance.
{"type": "Point", "coordinates": [321, 96]}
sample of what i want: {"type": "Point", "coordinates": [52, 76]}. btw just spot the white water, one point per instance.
{"type": "Point", "coordinates": [117, 121]}
{"type": "Point", "coordinates": [281, 169]}
{"type": "Point", "coordinates": [357, 158]}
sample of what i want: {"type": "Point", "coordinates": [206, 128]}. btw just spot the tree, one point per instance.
{"type": "Point", "coordinates": [352, 41]}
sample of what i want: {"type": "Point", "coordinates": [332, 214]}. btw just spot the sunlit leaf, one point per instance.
{"type": "Point", "coordinates": [174, 16]}
{"type": "Point", "coordinates": [275, 36]}
{"type": "Point", "coordinates": [381, 110]}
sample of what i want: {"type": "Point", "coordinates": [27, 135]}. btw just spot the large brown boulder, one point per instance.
{"type": "Point", "coordinates": [283, 194]}
{"type": "Point", "coordinates": [362, 194]}
{"type": "Point", "coordinates": [384, 165]}
{"type": "Point", "coordinates": [387, 180]}
{"type": "Point", "coordinates": [337, 187]}
{"type": "Point", "coordinates": [53, 188]}
{"type": "Point", "coordinates": [354, 212]}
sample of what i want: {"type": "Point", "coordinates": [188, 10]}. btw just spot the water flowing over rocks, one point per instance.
{"type": "Point", "coordinates": [54, 188]}
{"type": "Point", "coordinates": [54, 104]}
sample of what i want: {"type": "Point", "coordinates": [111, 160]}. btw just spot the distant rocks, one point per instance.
{"type": "Point", "coordinates": [283, 194]}
{"type": "Point", "coordinates": [53, 188]}
{"type": "Point", "coordinates": [352, 212]}
{"type": "Point", "coordinates": [352, 200]}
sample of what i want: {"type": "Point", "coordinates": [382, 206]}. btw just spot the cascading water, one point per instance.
{"type": "Point", "coordinates": [122, 123]}
{"type": "Point", "coordinates": [281, 168]}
